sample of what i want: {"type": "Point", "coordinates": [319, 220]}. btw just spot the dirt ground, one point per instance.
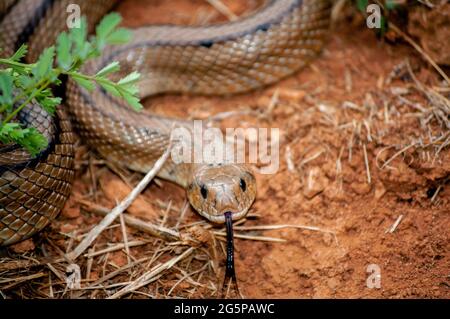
{"type": "Point", "coordinates": [364, 160]}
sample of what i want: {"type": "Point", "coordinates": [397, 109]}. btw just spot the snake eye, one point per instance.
{"type": "Point", "coordinates": [204, 191]}
{"type": "Point", "coordinates": [243, 185]}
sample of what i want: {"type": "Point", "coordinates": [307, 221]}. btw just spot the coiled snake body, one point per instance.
{"type": "Point", "coordinates": [222, 59]}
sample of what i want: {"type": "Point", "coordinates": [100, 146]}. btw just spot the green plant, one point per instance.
{"type": "Point", "coordinates": [22, 83]}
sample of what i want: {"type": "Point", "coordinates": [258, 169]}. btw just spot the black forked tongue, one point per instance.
{"type": "Point", "coordinates": [230, 272]}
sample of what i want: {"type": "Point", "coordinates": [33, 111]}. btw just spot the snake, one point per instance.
{"type": "Point", "coordinates": [222, 59]}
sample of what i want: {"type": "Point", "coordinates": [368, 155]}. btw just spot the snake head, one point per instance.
{"type": "Point", "coordinates": [217, 189]}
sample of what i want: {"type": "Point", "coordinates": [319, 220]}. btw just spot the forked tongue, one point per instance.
{"type": "Point", "coordinates": [230, 273]}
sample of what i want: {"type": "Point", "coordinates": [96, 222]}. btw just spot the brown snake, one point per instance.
{"type": "Point", "coordinates": [229, 58]}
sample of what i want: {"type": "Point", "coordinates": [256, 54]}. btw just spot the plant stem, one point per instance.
{"type": "Point", "coordinates": [21, 96]}
{"type": "Point", "coordinates": [14, 63]}
{"type": "Point", "coordinates": [79, 75]}
{"type": "Point", "coordinates": [27, 101]}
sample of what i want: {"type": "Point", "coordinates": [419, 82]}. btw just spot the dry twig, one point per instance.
{"type": "Point", "coordinates": [223, 9]}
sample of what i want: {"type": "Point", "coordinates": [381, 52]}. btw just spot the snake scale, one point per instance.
{"type": "Point", "coordinates": [255, 51]}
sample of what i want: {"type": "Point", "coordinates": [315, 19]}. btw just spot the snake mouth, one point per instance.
{"type": "Point", "coordinates": [221, 219]}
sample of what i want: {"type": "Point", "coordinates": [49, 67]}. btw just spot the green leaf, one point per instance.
{"type": "Point", "coordinates": [110, 68]}
{"type": "Point", "coordinates": [45, 63]}
{"type": "Point", "coordinates": [133, 101]}
{"type": "Point", "coordinates": [127, 93]}
{"type": "Point", "coordinates": [29, 138]}
{"type": "Point", "coordinates": [78, 35]}
{"type": "Point", "coordinates": [87, 84]}
{"type": "Point", "coordinates": [17, 135]}
{"type": "Point", "coordinates": [47, 101]}
{"type": "Point", "coordinates": [82, 48]}
{"type": "Point", "coordinates": [132, 89]}
{"type": "Point", "coordinates": [6, 88]}
{"type": "Point", "coordinates": [24, 81]}
{"type": "Point", "coordinates": [34, 141]}
{"type": "Point", "coordinates": [105, 28]}
{"type": "Point", "coordinates": [6, 130]}
{"type": "Point", "coordinates": [131, 78]}
{"type": "Point", "coordinates": [20, 53]}
{"type": "Point", "coordinates": [19, 69]}
{"type": "Point", "coordinates": [63, 47]}
{"type": "Point", "coordinates": [107, 25]}
{"type": "Point", "coordinates": [50, 103]}
{"type": "Point", "coordinates": [110, 87]}
{"type": "Point", "coordinates": [119, 36]}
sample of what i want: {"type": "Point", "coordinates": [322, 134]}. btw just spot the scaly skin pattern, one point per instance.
{"type": "Point", "coordinates": [256, 51]}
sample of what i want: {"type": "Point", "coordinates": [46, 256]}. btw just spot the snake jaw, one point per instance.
{"type": "Point", "coordinates": [220, 219]}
